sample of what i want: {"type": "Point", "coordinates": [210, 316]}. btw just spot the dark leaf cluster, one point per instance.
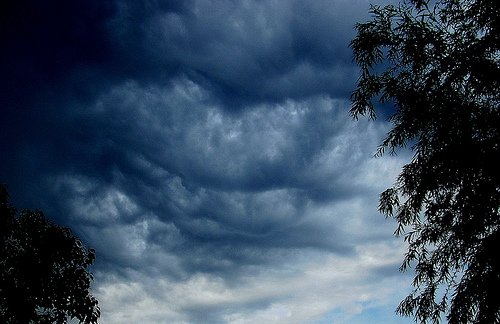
{"type": "Point", "coordinates": [438, 63]}
{"type": "Point", "coordinates": [44, 275]}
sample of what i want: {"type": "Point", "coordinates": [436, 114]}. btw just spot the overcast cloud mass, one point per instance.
{"type": "Point", "coordinates": [205, 150]}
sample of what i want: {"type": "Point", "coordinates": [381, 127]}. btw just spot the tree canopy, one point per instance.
{"type": "Point", "coordinates": [437, 62]}
{"type": "Point", "coordinates": [44, 275]}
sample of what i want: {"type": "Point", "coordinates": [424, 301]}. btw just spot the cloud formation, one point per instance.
{"type": "Point", "coordinates": [205, 150]}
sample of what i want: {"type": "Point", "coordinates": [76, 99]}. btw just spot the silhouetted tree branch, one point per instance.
{"type": "Point", "coordinates": [438, 63]}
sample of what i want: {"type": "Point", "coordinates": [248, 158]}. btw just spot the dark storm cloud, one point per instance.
{"type": "Point", "coordinates": [223, 183]}
{"type": "Point", "coordinates": [60, 55]}
{"type": "Point", "coordinates": [246, 53]}
{"type": "Point", "coordinates": [192, 143]}
{"type": "Point", "coordinates": [255, 51]}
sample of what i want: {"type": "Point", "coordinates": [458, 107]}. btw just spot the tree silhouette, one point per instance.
{"type": "Point", "coordinates": [437, 62]}
{"type": "Point", "coordinates": [43, 270]}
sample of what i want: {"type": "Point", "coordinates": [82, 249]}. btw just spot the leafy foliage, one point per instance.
{"type": "Point", "coordinates": [438, 63]}
{"type": "Point", "coordinates": [43, 270]}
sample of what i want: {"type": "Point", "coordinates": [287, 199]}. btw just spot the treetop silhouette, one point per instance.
{"type": "Point", "coordinates": [438, 63]}
{"type": "Point", "coordinates": [44, 275]}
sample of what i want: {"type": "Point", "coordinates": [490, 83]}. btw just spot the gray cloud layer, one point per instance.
{"type": "Point", "coordinates": [205, 150]}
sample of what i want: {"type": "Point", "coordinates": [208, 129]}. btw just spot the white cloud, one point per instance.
{"type": "Point", "coordinates": [312, 289]}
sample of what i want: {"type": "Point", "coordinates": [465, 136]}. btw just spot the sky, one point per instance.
{"type": "Point", "coordinates": [205, 150]}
